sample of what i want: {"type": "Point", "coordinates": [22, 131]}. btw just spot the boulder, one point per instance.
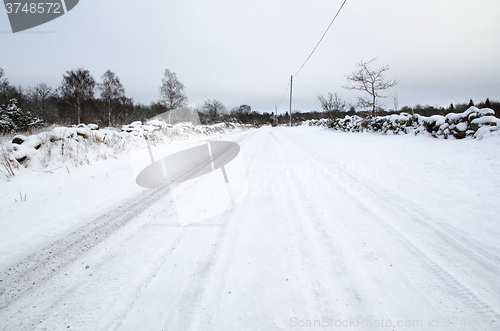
{"type": "Point", "coordinates": [19, 139]}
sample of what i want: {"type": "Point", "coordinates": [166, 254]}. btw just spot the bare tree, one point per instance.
{"type": "Point", "coordinates": [214, 109]}
{"type": "Point", "coordinates": [244, 109]}
{"type": "Point", "coordinates": [77, 87]}
{"type": "Point", "coordinates": [112, 95]}
{"type": "Point", "coordinates": [172, 91]}
{"type": "Point", "coordinates": [332, 104]}
{"type": "Point", "coordinates": [371, 82]}
{"type": "Point", "coordinates": [3, 79]}
{"type": "Point", "coordinates": [395, 100]}
{"type": "Point", "coordinates": [41, 101]}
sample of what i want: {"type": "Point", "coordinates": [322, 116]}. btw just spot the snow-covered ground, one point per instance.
{"type": "Point", "coordinates": [338, 231]}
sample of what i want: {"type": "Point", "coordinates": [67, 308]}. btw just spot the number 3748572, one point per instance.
{"type": "Point", "coordinates": [33, 8]}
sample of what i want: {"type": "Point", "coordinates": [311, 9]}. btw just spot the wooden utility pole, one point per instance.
{"type": "Point", "coordinates": [291, 82]}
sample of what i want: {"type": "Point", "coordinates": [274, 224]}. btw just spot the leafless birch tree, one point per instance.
{"type": "Point", "coordinates": [371, 82]}
{"type": "Point", "coordinates": [172, 91]}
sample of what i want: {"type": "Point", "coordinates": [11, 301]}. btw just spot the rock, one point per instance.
{"type": "Point", "coordinates": [82, 132]}
{"type": "Point", "coordinates": [19, 139]}
{"type": "Point", "coordinates": [459, 134]}
{"type": "Point", "coordinates": [21, 159]}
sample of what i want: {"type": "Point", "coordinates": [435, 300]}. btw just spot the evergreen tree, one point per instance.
{"type": "Point", "coordinates": [487, 103]}
{"type": "Point", "coordinates": [13, 119]}
{"type": "Point", "coordinates": [7, 91]}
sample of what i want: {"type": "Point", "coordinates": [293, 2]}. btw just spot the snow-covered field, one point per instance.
{"type": "Point", "coordinates": [338, 231]}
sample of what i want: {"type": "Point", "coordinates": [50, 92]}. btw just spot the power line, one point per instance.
{"type": "Point", "coordinates": [323, 36]}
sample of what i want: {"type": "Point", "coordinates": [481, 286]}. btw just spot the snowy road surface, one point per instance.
{"type": "Point", "coordinates": [338, 231]}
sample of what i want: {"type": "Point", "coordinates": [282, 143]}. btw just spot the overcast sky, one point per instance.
{"type": "Point", "coordinates": [244, 51]}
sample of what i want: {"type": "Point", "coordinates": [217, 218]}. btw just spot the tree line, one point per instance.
{"type": "Point", "coordinates": [75, 100]}
{"type": "Point", "coordinates": [82, 99]}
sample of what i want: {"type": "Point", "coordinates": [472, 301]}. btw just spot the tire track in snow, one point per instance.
{"type": "Point", "coordinates": [120, 266]}
{"type": "Point", "coordinates": [206, 279]}
{"type": "Point", "coordinates": [36, 273]}
{"type": "Point", "coordinates": [129, 266]}
{"type": "Point", "coordinates": [123, 275]}
{"type": "Point", "coordinates": [35, 270]}
{"type": "Point", "coordinates": [473, 252]}
{"type": "Point", "coordinates": [330, 253]}
{"type": "Point", "coordinates": [303, 290]}
{"type": "Point", "coordinates": [199, 299]}
{"type": "Point", "coordinates": [137, 267]}
{"type": "Point", "coordinates": [453, 284]}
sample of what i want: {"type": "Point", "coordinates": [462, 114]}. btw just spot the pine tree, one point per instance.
{"type": "Point", "coordinates": [13, 119]}
{"type": "Point", "coordinates": [487, 103]}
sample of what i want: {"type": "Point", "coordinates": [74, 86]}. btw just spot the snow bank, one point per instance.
{"type": "Point", "coordinates": [79, 145]}
{"type": "Point", "coordinates": [474, 122]}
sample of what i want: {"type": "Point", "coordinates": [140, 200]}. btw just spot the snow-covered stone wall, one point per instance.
{"type": "Point", "coordinates": [79, 145]}
{"type": "Point", "coordinates": [474, 122]}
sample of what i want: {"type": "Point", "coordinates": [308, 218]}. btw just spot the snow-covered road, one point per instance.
{"type": "Point", "coordinates": [338, 231]}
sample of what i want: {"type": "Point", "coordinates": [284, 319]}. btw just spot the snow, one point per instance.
{"type": "Point", "coordinates": [52, 182]}
{"type": "Point", "coordinates": [28, 148]}
{"type": "Point", "coordinates": [342, 226]}
{"type": "Point", "coordinates": [455, 117]}
{"type": "Point", "coordinates": [437, 119]}
{"type": "Point", "coordinates": [487, 120]}
{"type": "Point", "coordinates": [158, 123]}
{"type": "Point", "coordinates": [487, 131]}
{"type": "Point", "coordinates": [474, 111]}
{"type": "Point", "coordinates": [461, 126]}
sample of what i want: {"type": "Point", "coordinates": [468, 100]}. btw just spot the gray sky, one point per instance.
{"type": "Point", "coordinates": [243, 52]}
